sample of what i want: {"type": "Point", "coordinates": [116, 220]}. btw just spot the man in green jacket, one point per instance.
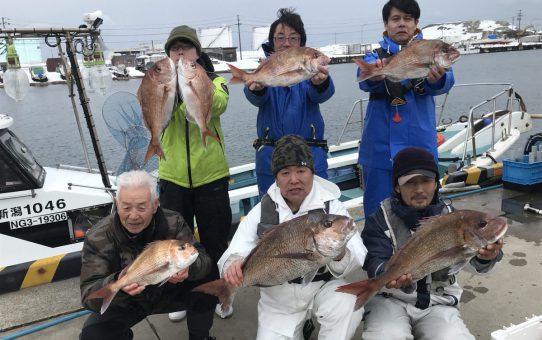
{"type": "Point", "coordinates": [194, 180]}
{"type": "Point", "coordinates": [116, 241]}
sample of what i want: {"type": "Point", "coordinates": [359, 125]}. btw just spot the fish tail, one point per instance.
{"type": "Point", "coordinates": [205, 134]}
{"type": "Point", "coordinates": [154, 149]}
{"type": "Point", "coordinates": [106, 293]}
{"type": "Point", "coordinates": [220, 288]}
{"type": "Point", "coordinates": [363, 290]}
{"type": "Point", "coordinates": [238, 76]}
{"type": "Point", "coordinates": [367, 70]}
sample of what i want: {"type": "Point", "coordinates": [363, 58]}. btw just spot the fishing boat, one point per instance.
{"type": "Point", "coordinates": [37, 73]}
{"type": "Point", "coordinates": [44, 211]}
{"type": "Point", "coordinates": [119, 72]}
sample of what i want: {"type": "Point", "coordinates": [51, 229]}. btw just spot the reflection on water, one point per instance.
{"type": "Point", "coordinates": [46, 124]}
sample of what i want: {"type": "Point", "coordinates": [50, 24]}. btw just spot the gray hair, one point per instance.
{"type": "Point", "coordinates": [137, 179]}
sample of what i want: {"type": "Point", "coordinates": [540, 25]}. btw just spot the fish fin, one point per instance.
{"type": "Point", "coordinates": [367, 70]}
{"type": "Point", "coordinates": [456, 267]}
{"type": "Point", "coordinates": [238, 75]}
{"type": "Point", "coordinates": [307, 278]}
{"type": "Point", "coordinates": [208, 133]}
{"type": "Point", "coordinates": [220, 288]}
{"type": "Point", "coordinates": [164, 281]}
{"type": "Point", "coordinates": [106, 293]}
{"type": "Point", "coordinates": [154, 149]}
{"type": "Point", "coordinates": [298, 256]}
{"type": "Point", "coordinates": [363, 290]}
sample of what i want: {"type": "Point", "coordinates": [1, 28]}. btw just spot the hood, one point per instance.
{"type": "Point", "coordinates": [267, 49]}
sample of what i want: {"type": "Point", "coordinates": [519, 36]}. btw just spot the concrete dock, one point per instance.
{"type": "Point", "coordinates": [505, 296]}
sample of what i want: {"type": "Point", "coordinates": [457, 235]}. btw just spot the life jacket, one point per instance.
{"type": "Point", "coordinates": [270, 218]}
{"type": "Point", "coordinates": [395, 90]}
{"type": "Point", "coordinates": [399, 235]}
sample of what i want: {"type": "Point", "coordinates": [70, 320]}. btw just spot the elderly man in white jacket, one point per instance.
{"type": "Point", "coordinates": [283, 309]}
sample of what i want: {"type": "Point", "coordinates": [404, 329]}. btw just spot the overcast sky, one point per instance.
{"type": "Point", "coordinates": [130, 23]}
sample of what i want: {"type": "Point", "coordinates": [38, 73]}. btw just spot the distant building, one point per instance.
{"type": "Point", "coordinates": [215, 37]}
{"type": "Point", "coordinates": [222, 53]}
{"type": "Point", "coordinates": [259, 36]}
{"type": "Point", "coordinates": [126, 60]}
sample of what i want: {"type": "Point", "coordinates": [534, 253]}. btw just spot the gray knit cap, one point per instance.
{"type": "Point", "coordinates": [291, 150]}
{"type": "Point", "coordinates": [185, 33]}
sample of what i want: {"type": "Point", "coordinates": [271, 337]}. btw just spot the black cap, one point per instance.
{"type": "Point", "coordinates": [414, 161]}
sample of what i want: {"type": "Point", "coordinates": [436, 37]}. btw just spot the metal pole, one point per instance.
{"type": "Point", "coordinates": [76, 74]}
{"type": "Point", "coordinates": [69, 81]}
{"type": "Point", "coordinates": [239, 32]}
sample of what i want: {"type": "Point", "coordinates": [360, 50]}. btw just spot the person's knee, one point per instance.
{"type": "Point", "coordinates": [453, 332]}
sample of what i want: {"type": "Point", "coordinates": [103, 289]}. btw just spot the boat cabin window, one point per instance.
{"type": "Point", "coordinates": [19, 170]}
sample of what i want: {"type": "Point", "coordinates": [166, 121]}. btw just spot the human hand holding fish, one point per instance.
{"type": "Point", "coordinates": [404, 280]}
{"type": "Point", "coordinates": [435, 74]}
{"type": "Point", "coordinates": [234, 273]}
{"type": "Point", "coordinates": [254, 86]}
{"type": "Point", "coordinates": [133, 289]}
{"type": "Point", "coordinates": [319, 78]}
{"type": "Point", "coordinates": [416, 60]}
{"type": "Point", "coordinates": [285, 68]}
{"type": "Point", "coordinates": [491, 251]}
{"type": "Point", "coordinates": [179, 276]}
{"type": "Point", "coordinates": [159, 261]}
{"type": "Point", "coordinates": [444, 241]}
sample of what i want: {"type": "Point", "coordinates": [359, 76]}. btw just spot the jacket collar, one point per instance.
{"type": "Point", "coordinates": [391, 46]}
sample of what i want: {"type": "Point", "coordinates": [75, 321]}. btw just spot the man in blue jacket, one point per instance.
{"type": "Point", "coordinates": [289, 110]}
{"type": "Point", "coordinates": [398, 114]}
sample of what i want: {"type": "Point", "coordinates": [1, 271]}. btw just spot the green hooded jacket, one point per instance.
{"type": "Point", "coordinates": [188, 164]}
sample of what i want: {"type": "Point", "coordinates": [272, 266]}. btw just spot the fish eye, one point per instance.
{"type": "Point", "coordinates": [158, 68]}
{"type": "Point", "coordinates": [182, 247]}
{"type": "Point", "coordinates": [482, 223]}
{"type": "Point", "coordinates": [328, 223]}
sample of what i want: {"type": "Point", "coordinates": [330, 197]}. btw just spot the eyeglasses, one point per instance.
{"type": "Point", "coordinates": [291, 40]}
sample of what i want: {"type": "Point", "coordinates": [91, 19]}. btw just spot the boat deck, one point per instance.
{"type": "Point", "coordinates": [507, 295]}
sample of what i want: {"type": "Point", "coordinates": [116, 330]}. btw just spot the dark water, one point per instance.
{"type": "Point", "coordinates": [46, 123]}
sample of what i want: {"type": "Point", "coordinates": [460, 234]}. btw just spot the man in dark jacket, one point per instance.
{"type": "Point", "coordinates": [116, 241]}
{"type": "Point", "coordinates": [427, 309]}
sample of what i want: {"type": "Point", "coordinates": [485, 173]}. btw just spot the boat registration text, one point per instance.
{"type": "Point", "coordinates": [29, 222]}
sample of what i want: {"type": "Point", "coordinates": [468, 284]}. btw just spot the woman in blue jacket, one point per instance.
{"type": "Point", "coordinates": [398, 114]}
{"type": "Point", "coordinates": [289, 110]}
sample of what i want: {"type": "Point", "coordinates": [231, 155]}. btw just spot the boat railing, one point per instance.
{"type": "Point", "coordinates": [357, 103]}
{"type": "Point", "coordinates": [492, 103]}
{"type": "Point", "coordinates": [82, 169]}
